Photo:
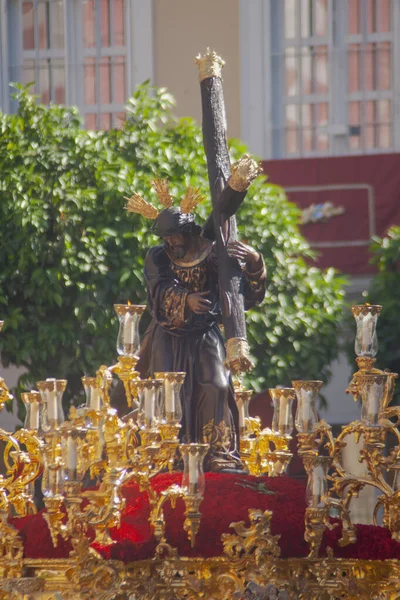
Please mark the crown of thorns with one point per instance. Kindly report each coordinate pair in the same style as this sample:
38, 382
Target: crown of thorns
139, 205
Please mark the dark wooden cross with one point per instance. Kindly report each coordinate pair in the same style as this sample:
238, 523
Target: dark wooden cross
228, 187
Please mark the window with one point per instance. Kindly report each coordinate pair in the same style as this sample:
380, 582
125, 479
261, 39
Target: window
370, 90
330, 72
77, 52
105, 60
305, 55
43, 51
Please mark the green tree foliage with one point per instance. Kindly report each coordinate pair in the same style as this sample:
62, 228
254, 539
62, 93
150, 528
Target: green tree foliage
385, 290
68, 251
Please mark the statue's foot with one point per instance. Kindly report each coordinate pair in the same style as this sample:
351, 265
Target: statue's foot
226, 465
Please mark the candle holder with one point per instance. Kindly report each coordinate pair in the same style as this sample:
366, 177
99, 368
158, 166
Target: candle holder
148, 390
51, 392
372, 389
193, 482
128, 340
192, 491
282, 420
317, 511
193, 474
242, 398
125, 369
75, 463
94, 399
317, 484
249, 428
92, 451
168, 416
366, 341
262, 451
306, 415
170, 405
33, 406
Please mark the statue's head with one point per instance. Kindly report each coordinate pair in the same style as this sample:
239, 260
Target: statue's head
177, 229
175, 225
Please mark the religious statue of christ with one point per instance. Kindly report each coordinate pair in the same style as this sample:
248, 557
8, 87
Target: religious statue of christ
199, 277
184, 334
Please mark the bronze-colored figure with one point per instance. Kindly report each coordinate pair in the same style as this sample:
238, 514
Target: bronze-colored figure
200, 278
184, 335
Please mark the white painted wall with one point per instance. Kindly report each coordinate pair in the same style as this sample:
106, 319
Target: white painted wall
9, 420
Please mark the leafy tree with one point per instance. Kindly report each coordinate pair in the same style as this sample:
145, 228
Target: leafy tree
68, 251
385, 290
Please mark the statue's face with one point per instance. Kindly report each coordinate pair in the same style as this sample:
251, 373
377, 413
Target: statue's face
177, 244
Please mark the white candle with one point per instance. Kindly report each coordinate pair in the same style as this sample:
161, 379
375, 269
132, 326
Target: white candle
95, 399
52, 401
192, 470
149, 404
373, 403
242, 415
72, 454
34, 416
169, 397
129, 329
284, 415
306, 412
318, 484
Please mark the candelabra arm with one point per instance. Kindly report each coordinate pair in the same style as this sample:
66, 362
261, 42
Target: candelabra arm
356, 428
390, 413
157, 519
192, 513
12, 457
343, 505
341, 484
125, 370
316, 521
192, 516
20, 495
104, 381
22, 469
54, 516
105, 507
11, 545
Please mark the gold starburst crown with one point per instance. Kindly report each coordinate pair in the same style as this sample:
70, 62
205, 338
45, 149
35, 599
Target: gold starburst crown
161, 187
139, 205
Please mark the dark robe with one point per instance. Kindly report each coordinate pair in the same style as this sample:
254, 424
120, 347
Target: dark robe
179, 340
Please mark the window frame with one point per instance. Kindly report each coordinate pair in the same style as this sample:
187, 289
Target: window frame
261, 98
138, 51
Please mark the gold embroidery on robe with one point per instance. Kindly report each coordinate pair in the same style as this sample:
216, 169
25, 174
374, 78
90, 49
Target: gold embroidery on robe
194, 278
175, 304
218, 436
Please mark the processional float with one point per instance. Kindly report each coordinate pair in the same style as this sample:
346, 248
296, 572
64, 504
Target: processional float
85, 461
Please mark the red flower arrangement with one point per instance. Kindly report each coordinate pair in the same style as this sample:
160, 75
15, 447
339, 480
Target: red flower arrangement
227, 499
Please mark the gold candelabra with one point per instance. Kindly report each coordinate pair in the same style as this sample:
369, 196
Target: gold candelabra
330, 488
94, 446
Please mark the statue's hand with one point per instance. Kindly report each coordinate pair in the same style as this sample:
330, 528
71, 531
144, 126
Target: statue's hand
245, 254
197, 302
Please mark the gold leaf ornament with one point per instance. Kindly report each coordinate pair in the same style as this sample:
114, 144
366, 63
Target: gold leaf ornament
161, 187
139, 205
192, 198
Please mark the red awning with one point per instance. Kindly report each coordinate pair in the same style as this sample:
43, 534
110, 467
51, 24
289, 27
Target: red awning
366, 187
